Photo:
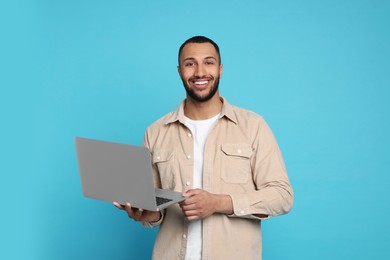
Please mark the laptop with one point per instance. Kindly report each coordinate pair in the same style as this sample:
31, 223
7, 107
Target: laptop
122, 173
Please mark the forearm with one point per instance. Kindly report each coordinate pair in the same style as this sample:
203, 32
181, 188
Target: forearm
223, 204
263, 203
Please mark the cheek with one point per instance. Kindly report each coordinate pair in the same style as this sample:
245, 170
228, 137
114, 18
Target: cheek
217, 74
186, 74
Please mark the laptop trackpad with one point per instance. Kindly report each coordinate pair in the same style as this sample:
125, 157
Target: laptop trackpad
174, 196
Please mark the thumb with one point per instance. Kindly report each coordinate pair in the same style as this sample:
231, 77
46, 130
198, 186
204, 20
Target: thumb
191, 192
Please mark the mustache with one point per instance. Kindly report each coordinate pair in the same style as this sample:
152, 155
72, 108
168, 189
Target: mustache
201, 78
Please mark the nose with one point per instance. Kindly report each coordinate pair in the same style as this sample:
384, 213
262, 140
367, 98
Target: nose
200, 71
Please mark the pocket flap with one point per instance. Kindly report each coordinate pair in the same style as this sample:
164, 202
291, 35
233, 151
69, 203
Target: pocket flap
241, 150
161, 155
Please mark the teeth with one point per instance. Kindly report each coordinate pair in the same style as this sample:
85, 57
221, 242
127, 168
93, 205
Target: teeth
201, 82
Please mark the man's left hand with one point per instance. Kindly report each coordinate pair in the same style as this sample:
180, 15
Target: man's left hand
201, 204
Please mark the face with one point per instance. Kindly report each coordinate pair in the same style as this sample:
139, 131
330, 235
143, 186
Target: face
200, 70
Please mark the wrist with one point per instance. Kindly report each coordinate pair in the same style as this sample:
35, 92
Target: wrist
224, 204
156, 217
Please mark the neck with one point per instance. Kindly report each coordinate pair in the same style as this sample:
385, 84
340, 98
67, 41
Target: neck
202, 110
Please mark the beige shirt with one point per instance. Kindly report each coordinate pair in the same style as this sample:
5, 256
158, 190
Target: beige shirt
241, 159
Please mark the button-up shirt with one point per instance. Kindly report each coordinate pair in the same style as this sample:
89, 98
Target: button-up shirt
241, 159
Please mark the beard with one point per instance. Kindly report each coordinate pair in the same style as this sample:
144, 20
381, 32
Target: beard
201, 98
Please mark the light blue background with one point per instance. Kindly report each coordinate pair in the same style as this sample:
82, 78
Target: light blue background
318, 71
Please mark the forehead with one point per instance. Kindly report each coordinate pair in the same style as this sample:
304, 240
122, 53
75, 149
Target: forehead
198, 51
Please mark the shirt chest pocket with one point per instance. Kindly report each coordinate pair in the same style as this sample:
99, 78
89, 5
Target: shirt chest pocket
236, 166
163, 161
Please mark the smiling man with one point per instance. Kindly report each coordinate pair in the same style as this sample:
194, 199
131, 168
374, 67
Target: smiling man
223, 158
200, 71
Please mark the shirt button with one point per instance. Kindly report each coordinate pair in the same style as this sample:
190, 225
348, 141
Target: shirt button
188, 156
158, 157
189, 134
239, 151
188, 183
184, 236
242, 212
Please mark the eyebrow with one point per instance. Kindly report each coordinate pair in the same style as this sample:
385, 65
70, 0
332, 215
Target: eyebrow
206, 58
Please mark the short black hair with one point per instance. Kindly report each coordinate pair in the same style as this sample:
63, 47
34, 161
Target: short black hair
199, 39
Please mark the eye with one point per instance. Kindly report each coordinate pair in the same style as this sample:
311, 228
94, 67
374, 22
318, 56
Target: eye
189, 64
209, 62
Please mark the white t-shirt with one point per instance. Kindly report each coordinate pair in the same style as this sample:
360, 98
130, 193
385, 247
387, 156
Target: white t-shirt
200, 130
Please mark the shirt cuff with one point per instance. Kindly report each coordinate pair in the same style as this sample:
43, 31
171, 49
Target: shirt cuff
242, 207
155, 223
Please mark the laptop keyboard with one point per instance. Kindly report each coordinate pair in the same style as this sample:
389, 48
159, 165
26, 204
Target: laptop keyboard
160, 200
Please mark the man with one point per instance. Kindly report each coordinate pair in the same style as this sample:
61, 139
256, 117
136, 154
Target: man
223, 158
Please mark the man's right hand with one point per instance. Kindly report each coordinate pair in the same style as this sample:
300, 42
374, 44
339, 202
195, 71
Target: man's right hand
139, 214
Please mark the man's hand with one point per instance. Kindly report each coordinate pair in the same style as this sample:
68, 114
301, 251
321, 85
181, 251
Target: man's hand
201, 204
139, 214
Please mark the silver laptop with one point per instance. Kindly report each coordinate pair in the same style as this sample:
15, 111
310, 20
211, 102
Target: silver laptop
122, 173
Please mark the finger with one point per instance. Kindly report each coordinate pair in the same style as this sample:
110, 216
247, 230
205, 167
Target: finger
119, 206
191, 192
130, 211
192, 218
188, 207
128, 206
190, 213
138, 214
191, 200
134, 213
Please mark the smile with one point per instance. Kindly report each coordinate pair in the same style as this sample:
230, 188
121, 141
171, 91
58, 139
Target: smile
200, 85
201, 82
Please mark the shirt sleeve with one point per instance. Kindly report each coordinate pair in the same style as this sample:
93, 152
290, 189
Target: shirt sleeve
273, 194
157, 184
156, 223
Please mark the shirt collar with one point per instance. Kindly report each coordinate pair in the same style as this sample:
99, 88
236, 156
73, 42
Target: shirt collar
178, 114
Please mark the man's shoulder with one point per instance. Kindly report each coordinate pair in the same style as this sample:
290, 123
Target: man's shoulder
161, 122
246, 114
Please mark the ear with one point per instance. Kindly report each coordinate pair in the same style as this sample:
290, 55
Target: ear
220, 70
179, 70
